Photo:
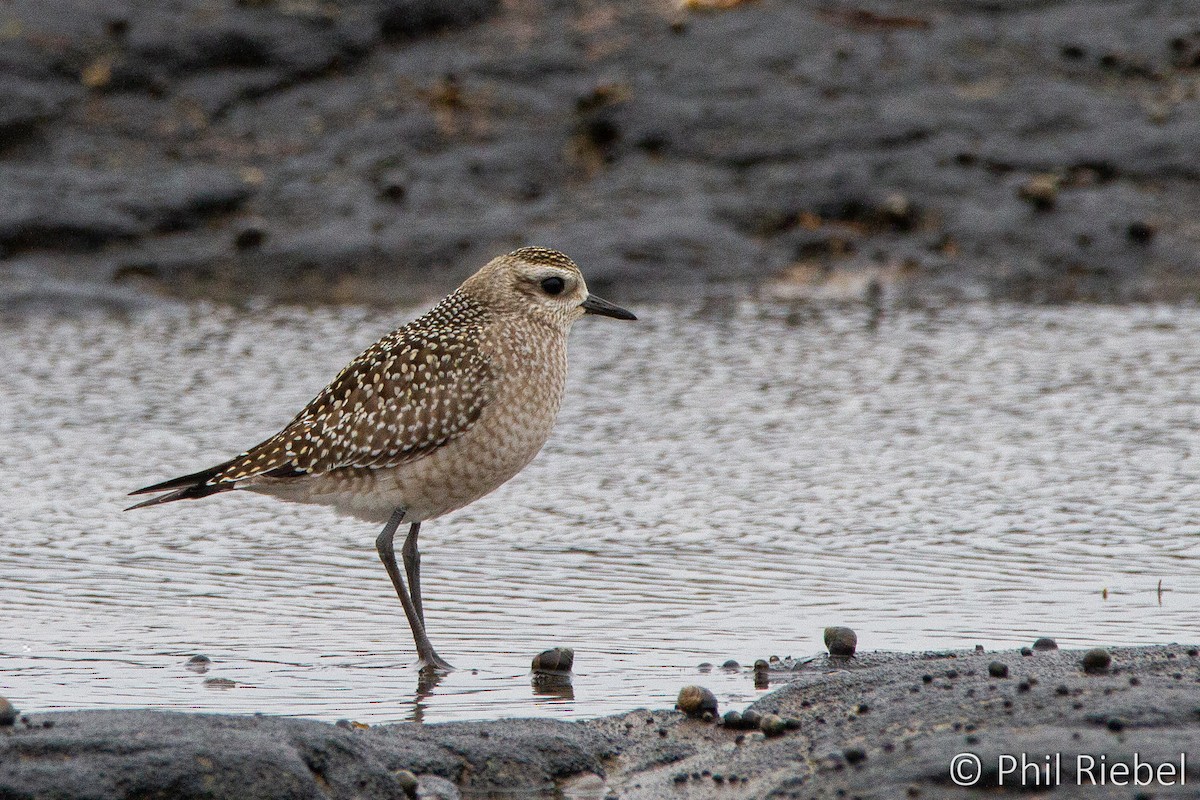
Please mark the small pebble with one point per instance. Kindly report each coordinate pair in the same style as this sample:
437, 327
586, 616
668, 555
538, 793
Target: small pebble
732, 719
731, 666
998, 669
408, 782
695, 701
772, 725
1040, 191
8, 714
1062, 690
1193, 652
978, 648
751, 719
1026, 651
198, 664
897, 206
1045, 643
1116, 725
1140, 232
705, 667
792, 724
761, 665
250, 238
854, 755
841, 641
556, 659
1096, 660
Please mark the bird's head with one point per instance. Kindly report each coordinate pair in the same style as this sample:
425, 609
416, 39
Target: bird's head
542, 283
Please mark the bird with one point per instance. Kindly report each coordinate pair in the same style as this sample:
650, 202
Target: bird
431, 417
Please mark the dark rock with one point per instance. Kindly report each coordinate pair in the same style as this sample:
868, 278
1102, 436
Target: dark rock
840, 641
407, 782
695, 701
1040, 191
8, 714
250, 238
998, 669
1026, 651
402, 142
1045, 643
198, 664
556, 659
1096, 660
126, 754
1140, 232
854, 755
772, 725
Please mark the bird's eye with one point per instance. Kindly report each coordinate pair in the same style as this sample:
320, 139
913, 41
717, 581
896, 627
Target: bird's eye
553, 285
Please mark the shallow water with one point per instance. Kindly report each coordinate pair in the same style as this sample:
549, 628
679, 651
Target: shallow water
716, 488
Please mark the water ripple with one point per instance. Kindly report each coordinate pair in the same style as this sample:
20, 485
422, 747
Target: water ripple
716, 488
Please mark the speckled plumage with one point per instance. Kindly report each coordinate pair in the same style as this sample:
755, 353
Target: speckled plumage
429, 418
432, 416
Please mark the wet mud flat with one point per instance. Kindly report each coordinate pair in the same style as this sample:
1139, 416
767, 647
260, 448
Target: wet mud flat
875, 725
375, 149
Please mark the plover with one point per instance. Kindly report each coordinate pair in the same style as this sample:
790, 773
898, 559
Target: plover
433, 416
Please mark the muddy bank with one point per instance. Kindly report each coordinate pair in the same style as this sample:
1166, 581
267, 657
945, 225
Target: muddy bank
877, 725
381, 149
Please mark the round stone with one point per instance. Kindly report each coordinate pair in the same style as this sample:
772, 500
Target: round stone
840, 641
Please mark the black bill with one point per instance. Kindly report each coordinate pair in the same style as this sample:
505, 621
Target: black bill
594, 305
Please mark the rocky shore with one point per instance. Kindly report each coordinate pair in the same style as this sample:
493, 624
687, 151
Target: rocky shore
379, 150
873, 725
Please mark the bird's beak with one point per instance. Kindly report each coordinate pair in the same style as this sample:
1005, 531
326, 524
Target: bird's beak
594, 305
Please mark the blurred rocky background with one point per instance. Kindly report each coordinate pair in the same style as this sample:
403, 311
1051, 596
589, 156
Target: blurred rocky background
380, 150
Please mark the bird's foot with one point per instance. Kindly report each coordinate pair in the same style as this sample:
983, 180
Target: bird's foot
432, 662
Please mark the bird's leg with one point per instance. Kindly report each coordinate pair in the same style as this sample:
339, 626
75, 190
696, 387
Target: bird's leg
429, 659
412, 566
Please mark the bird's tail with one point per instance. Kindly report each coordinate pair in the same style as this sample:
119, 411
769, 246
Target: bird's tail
187, 487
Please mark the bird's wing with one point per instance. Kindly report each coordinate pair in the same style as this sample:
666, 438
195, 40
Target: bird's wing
407, 395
